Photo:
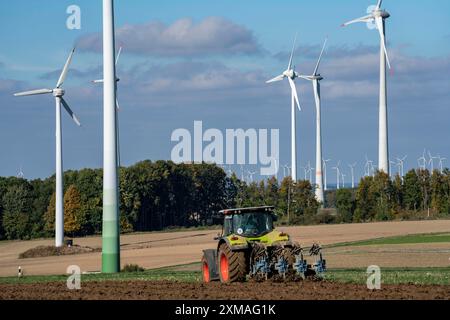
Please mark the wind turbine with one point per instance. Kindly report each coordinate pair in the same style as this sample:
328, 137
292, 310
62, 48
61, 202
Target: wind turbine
20, 174
291, 75
379, 16
325, 173
352, 170
431, 161
58, 93
117, 108
343, 180
391, 162
286, 167
422, 161
338, 173
111, 193
368, 167
441, 163
401, 161
242, 173
250, 175
305, 172
315, 78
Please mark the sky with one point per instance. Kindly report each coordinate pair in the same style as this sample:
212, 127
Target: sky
186, 61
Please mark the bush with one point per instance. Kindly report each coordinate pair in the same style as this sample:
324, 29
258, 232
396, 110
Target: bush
132, 268
326, 216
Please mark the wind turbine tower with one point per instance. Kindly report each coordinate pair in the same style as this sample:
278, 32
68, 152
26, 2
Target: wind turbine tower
325, 173
315, 78
352, 170
379, 16
111, 227
338, 174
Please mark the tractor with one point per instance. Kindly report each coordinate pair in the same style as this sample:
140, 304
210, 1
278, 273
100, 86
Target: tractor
250, 247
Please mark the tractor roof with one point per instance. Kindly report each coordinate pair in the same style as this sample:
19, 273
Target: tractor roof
247, 210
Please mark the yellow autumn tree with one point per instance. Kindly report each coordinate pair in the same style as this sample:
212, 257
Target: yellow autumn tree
49, 216
73, 222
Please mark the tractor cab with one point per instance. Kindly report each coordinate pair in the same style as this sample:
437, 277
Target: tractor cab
248, 222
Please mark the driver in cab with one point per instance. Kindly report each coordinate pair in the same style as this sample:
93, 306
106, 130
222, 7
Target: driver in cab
251, 227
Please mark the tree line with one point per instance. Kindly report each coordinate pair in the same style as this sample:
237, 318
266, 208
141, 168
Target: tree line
162, 194
419, 194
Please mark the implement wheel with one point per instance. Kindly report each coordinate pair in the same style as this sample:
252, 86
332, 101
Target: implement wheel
232, 265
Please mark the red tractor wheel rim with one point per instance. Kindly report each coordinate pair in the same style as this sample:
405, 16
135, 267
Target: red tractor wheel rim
205, 272
224, 267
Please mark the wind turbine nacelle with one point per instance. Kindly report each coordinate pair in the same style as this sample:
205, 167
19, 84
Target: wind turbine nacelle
58, 92
382, 13
317, 77
289, 74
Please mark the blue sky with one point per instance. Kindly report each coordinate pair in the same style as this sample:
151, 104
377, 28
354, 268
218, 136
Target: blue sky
220, 80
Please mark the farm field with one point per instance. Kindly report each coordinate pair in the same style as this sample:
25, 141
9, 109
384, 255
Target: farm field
414, 258
343, 248
184, 282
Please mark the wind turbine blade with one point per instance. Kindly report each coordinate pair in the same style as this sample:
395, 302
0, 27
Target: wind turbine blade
70, 112
380, 27
379, 4
63, 75
33, 92
118, 56
362, 19
97, 81
294, 92
277, 78
117, 105
292, 54
309, 78
320, 57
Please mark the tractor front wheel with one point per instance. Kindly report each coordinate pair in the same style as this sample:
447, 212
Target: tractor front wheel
232, 265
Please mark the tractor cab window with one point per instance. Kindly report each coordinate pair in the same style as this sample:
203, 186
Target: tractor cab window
252, 224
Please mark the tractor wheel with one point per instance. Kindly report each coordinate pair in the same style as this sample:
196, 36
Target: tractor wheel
205, 270
232, 265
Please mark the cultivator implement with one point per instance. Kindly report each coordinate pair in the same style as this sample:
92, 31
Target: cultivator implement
285, 263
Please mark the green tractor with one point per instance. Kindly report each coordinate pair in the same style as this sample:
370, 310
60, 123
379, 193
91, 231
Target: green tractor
249, 246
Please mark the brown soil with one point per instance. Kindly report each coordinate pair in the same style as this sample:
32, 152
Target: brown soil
50, 251
166, 290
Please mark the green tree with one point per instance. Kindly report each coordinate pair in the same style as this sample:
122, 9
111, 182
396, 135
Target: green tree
304, 203
412, 195
344, 205
365, 202
17, 204
382, 192
398, 190
424, 179
49, 216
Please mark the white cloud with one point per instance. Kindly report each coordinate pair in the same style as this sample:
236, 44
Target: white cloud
184, 37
